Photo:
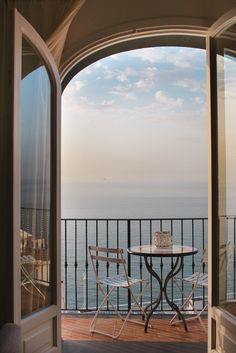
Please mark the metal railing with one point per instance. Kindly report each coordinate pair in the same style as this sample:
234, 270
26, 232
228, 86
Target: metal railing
80, 292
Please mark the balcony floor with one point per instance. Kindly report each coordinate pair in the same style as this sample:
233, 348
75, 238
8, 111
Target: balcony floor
160, 338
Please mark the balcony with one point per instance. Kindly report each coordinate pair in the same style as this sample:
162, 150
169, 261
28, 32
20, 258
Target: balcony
79, 292
81, 296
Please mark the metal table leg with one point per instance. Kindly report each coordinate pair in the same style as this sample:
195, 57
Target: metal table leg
178, 264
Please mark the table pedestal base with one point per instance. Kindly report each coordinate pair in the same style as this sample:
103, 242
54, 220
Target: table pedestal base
177, 266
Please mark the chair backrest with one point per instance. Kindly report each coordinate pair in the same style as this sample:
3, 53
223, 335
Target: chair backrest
226, 254
107, 256
203, 260
200, 277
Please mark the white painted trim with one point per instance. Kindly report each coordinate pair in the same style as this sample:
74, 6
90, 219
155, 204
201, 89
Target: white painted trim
138, 32
208, 78
222, 23
23, 28
27, 30
16, 173
218, 313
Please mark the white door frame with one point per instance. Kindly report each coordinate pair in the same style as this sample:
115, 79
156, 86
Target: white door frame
42, 328
220, 323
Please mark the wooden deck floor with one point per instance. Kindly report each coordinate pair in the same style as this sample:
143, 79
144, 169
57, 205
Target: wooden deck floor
160, 338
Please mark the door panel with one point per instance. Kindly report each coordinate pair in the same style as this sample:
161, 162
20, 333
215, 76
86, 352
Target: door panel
222, 80
35, 193
37, 190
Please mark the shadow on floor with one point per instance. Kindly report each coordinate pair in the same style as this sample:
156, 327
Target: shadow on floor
132, 347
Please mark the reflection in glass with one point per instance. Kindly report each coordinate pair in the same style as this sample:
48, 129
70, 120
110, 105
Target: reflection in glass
35, 182
226, 82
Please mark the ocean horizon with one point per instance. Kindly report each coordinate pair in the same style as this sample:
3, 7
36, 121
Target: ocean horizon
136, 207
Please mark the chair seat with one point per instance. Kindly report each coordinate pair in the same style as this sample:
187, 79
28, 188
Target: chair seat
119, 281
202, 279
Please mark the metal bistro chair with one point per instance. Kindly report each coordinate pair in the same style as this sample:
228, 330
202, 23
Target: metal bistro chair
28, 280
108, 284
198, 279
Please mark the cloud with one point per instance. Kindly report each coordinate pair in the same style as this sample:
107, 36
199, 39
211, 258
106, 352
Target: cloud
122, 77
98, 64
168, 101
199, 100
79, 84
191, 84
125, 74
83, 98
181, 58
107, 103
73, 88
124, 91
107, 73
145, 85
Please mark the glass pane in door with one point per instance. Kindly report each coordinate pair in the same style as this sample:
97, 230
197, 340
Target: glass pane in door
35, 233
226, 83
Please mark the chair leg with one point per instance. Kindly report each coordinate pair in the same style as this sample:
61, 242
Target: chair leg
197, 314
107, 299
135, 303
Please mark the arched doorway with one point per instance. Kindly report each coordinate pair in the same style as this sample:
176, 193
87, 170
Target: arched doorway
132, 125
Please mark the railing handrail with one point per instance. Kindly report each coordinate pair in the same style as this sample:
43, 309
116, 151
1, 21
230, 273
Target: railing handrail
133, 219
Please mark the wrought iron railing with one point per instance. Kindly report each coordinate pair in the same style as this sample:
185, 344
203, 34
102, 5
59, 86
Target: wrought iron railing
79, 290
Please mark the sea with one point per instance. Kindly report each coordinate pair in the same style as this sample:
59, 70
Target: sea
79, 290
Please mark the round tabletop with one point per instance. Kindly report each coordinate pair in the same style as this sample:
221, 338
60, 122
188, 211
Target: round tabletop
152, 250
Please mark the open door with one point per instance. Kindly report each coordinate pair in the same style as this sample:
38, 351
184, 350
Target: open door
221, 49
36, 191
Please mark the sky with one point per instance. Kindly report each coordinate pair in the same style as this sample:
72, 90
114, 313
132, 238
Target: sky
135, 123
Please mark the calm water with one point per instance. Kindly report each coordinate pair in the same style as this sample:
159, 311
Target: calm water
135, 207
82, 281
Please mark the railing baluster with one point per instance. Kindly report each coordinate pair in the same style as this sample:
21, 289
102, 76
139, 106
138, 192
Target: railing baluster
140, 258
181, 237
129, 262
172, 262
193, 264
203, 247
86, 261
118, 265
107, 237
150, 238
66, 265
161, 264
234, 274
97, 269
76, 267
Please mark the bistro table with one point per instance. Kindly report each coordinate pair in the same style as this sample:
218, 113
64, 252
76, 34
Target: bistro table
177, 252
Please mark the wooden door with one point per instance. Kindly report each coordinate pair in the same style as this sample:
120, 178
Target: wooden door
36, 191
221, 66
